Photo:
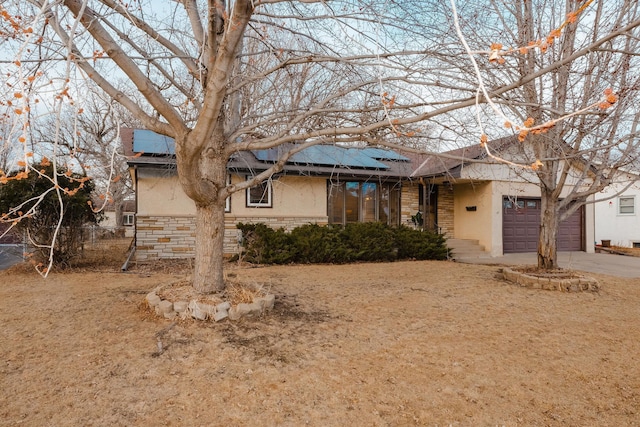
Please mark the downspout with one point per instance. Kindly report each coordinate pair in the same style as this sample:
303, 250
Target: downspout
135, 221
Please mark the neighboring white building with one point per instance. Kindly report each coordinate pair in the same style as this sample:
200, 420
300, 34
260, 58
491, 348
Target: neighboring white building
618, 215
109, 221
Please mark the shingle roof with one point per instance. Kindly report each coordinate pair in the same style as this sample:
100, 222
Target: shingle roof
450, 162
146, 148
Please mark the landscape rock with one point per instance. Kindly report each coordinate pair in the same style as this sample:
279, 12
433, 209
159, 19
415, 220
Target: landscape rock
255, 309
223, 306
220, 315
266, 302
196, 311
234, 314
165, 306
563, 284
152, 299
203, 311
243, 309
180, 306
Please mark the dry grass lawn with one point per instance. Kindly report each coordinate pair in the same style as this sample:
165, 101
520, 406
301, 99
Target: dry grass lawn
389, 344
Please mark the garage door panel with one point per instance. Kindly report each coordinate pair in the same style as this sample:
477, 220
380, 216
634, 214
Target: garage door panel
521, 226
568, 239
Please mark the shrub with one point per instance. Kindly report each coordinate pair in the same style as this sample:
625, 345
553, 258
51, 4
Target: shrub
317, 244
264, 245
312, 243
370, 241
418, 244
31, 201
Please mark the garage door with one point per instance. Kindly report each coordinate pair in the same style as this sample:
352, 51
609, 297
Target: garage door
521, 226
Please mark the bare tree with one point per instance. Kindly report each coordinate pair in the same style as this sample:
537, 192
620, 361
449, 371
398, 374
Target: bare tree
219, 77
578, 123
6, 145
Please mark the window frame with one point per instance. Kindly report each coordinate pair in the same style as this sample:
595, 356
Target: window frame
268, 191
632, 205
341, 189
126, 216
227, 202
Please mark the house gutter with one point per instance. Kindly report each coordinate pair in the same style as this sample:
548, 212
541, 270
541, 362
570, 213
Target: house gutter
125, 266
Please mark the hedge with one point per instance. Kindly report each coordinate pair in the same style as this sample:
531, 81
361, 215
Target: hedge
336, 244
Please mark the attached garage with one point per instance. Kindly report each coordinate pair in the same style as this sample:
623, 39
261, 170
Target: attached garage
521, 225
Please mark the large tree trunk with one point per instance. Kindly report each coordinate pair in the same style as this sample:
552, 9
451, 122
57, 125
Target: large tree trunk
547, 240
202, 174
208, 272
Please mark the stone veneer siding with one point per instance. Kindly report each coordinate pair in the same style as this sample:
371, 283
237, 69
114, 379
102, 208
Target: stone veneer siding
445, 210
409, 202
165, 237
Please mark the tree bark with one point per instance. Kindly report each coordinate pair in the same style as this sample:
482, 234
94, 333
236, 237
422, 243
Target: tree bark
208, 271
547, 239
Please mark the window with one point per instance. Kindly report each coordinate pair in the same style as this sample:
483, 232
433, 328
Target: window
511, 203
350, 202
626, 205
259, 196
128, 219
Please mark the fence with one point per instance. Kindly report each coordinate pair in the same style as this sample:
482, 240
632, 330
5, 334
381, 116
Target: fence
92, 241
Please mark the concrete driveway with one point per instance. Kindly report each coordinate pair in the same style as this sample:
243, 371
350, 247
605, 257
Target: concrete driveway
613, 265
10, 255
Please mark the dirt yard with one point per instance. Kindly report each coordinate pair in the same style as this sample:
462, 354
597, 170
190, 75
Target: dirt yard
407, 343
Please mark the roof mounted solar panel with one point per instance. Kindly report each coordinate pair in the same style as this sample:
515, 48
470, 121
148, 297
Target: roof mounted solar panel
321, 155
356, 157
149, 142
384, 154
270, 155
314, 155
328, 155
324, 155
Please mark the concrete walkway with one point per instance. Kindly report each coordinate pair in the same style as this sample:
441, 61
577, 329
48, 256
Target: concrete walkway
613, 265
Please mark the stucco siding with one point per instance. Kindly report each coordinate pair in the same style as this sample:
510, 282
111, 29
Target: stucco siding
515, 175
473, 210
292, 196
160, 194
485, 223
